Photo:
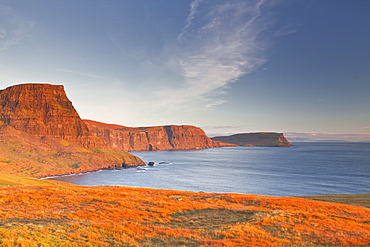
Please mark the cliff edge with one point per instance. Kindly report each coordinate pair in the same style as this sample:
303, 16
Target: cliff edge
44, 110
153, 138
42, 134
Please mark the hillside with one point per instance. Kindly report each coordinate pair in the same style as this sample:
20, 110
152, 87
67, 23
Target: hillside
121, 216
268, 139
41, 134
25, 154
153, 138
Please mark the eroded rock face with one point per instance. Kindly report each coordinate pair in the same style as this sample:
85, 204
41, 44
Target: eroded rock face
41, 134
152, 138
44, 110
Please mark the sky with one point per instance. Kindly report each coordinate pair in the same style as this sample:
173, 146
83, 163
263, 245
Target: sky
226, 66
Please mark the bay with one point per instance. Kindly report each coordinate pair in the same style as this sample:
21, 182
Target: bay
302, 169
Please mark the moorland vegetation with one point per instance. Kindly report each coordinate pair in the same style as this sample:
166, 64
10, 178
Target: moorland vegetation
41, 134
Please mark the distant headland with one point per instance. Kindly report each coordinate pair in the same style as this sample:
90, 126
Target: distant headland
267, 139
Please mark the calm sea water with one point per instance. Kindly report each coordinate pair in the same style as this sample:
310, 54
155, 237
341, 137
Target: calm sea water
303, 169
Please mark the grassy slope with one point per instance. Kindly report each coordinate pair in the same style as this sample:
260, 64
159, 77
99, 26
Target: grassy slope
13, 180
28, 155
71, 215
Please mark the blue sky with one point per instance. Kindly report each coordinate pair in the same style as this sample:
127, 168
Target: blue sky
230, 66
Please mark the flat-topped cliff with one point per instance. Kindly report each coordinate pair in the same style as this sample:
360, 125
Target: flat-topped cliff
153, 138
270, 139
44, 110
41, 133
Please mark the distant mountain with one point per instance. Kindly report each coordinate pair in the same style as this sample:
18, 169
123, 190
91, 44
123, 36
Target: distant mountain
270, 139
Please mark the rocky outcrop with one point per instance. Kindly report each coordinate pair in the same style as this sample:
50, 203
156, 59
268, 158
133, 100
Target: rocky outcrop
44, 110
153, 138
41, 134
270, 139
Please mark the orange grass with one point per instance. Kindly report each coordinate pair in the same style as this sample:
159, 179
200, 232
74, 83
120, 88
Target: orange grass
22, 154
120, 216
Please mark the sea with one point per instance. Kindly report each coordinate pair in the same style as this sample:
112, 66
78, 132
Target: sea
305, 168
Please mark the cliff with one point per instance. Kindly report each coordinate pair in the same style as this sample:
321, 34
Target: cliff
153, 138
270, 139
41, 133
44, 110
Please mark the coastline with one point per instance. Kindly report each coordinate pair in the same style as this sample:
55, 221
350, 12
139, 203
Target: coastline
273, 175
87, 172
362, 200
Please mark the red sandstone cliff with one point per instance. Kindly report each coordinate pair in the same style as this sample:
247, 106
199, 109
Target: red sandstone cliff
153, 138
41, 133
44, 110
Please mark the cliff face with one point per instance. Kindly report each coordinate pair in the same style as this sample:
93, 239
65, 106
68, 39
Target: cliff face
44, 110
153, 138
270, 139
41, 134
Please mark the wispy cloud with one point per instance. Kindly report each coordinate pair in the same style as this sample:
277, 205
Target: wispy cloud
223, 127
189, 20
286, 30
13, 29
322, 136
78, 73
219, 43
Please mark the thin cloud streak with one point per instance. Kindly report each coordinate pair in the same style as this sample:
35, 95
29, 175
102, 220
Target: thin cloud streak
223, 127
13, 29
212, 55
318, 136
286, 30
193, 11
80, 73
